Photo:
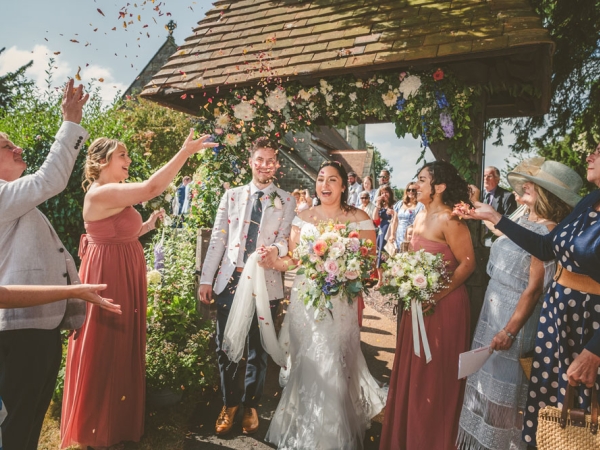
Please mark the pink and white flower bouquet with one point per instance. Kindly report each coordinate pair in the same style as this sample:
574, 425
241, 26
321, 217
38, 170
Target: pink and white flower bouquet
414, 276
335, 261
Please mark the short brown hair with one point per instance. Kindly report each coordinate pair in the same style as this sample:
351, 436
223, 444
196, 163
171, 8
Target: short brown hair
264, 142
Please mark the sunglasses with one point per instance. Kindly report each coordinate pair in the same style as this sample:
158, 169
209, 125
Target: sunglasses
364, 198
411, 190
383, 176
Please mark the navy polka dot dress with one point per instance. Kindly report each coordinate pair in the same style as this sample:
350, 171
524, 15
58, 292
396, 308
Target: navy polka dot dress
568, 320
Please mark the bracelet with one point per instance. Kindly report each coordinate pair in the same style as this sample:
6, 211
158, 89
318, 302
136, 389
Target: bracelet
510, 335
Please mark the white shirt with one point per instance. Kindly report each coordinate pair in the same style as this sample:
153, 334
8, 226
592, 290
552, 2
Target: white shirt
353, 194
265, 203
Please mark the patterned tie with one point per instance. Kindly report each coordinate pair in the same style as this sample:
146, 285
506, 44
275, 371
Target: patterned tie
255, 218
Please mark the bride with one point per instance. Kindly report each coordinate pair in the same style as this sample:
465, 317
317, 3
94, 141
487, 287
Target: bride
330, 396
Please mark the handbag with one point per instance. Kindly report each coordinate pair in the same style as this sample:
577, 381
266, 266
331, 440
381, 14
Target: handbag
526, 362
390, 248
569, 428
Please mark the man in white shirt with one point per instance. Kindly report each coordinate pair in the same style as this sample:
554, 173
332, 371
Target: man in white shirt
354, 189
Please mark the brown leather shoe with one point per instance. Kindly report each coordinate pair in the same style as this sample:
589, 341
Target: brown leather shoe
225, 420
250, 421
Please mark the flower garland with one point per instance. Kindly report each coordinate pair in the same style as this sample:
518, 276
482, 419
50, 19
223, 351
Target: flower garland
432, 105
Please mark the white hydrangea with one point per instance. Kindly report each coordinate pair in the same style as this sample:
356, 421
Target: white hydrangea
244, 111
276, 100
410, 85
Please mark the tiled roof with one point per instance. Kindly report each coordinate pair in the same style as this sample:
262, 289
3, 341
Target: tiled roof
352, 160
241, 41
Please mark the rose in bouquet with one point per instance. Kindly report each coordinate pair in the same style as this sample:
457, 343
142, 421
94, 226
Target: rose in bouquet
414, 276
335, 261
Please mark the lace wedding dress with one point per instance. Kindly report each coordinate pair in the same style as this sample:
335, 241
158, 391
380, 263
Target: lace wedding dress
329, 396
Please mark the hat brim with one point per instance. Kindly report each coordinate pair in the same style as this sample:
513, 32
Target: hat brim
516, 181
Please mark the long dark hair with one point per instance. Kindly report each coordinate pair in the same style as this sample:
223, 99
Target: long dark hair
344, 176
457, 189
391, 192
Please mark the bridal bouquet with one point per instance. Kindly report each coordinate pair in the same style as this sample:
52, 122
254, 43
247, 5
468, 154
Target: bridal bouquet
334, 262
414, 276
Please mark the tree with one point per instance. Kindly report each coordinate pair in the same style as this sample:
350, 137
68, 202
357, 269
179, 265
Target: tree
575, 107
379, 162
11, 84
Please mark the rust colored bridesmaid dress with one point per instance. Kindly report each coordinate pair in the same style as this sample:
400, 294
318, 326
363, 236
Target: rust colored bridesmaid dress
425, 400
104, 395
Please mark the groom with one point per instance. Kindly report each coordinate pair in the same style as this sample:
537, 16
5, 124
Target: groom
258, 214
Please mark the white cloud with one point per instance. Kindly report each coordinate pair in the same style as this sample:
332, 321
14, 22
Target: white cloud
13, 58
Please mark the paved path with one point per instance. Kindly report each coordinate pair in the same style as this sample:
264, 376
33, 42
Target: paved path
378, 337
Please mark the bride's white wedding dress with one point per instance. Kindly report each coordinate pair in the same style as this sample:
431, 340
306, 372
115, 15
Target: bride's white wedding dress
330, 396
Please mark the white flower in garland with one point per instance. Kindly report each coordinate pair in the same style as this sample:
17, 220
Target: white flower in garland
232, 140
389, 98
352, 96
304, 95
410, 85
270, 126
223, 121
359, 84
277, 100
325, 87
244, 111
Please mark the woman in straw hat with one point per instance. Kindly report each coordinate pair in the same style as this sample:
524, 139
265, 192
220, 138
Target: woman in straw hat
495, 395
567, 344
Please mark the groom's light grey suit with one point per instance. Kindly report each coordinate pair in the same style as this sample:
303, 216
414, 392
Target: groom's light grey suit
225, 255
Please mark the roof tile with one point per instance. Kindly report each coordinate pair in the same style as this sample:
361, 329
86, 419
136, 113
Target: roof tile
303, 38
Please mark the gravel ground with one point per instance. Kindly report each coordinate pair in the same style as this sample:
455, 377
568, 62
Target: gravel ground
382, 304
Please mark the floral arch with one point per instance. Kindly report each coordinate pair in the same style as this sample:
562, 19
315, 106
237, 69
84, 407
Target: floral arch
432, 105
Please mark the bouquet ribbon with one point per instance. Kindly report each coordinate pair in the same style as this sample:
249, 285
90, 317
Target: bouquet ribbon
251, 296
418, 326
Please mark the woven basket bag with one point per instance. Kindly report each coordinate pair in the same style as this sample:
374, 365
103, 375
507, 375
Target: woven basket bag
569, 428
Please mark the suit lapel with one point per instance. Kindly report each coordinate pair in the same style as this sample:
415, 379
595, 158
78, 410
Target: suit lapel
242, 202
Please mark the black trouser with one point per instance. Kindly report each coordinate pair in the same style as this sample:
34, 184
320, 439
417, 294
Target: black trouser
256, 363
29, 363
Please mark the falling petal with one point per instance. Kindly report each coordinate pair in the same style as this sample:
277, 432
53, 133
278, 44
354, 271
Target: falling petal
100, 11
77, 75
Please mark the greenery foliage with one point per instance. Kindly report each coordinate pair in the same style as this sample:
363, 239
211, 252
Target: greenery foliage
575, 106
12, 83
177, 350
432, 105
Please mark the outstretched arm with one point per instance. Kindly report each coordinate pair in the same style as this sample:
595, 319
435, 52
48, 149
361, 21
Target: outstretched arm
24, 296
121, 195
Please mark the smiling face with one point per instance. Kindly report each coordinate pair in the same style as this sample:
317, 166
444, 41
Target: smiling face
367, 185
264, 165
411, 191
329, 186
12, 165
117, 168
423, 185
529, 196
593, 169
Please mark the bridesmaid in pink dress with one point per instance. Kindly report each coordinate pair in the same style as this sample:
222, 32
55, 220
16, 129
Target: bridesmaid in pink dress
424, 400
104, 396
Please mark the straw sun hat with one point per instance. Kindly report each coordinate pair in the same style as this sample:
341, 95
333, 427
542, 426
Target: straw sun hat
553, 176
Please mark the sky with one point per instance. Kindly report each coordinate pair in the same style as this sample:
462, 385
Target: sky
92, 38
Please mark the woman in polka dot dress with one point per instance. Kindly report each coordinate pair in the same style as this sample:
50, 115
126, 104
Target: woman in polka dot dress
567, 346
495, 396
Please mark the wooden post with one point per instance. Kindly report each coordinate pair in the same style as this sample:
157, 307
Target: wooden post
202, 243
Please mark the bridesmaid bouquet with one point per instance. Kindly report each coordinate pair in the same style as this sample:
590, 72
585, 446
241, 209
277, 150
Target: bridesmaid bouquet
414, 276
334, 261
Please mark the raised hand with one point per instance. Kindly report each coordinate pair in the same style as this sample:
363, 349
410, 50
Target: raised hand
481, 211
191, 145
72, 102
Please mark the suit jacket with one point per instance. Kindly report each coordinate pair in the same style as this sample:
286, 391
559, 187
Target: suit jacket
227, 241
503, 201
32, 252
